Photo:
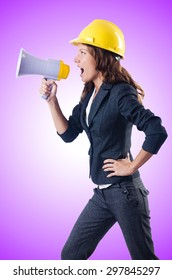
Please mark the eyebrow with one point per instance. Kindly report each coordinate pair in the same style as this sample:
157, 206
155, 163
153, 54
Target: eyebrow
83, 50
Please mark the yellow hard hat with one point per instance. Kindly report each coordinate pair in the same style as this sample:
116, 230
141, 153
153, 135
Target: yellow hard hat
103, 34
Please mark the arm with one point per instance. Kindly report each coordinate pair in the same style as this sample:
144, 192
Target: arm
68, 130
124, 167
134, 112
145, 121
48, 90
60, 122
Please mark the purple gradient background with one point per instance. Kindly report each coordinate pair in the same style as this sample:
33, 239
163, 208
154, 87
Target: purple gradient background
44, 182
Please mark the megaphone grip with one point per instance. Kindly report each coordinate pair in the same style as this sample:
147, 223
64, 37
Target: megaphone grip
44, 96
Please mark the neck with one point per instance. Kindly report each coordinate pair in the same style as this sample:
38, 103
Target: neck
98, 82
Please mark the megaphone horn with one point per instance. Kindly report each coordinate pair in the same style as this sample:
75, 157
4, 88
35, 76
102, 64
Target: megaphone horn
50, 69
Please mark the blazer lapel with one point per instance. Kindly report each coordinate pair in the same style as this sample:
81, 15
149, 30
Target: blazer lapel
104, 89
83, 112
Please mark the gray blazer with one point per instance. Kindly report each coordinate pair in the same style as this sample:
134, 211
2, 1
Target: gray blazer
113, 112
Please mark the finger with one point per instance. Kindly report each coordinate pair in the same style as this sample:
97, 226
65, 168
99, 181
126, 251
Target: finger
54, 87
45, 89
109, 169
108, 161
47, 82
107, 165
111, 175
44, 93
47, 86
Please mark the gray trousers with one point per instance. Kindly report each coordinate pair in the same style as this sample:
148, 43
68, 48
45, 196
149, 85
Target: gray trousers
125, 203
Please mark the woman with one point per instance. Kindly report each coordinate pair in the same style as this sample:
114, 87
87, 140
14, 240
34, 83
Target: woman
110, 104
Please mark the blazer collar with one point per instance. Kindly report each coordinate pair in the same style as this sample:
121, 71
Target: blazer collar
103, 91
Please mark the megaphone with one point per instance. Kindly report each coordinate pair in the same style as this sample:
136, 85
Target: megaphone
50, 69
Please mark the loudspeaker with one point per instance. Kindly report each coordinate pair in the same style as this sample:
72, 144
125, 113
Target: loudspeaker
50, 69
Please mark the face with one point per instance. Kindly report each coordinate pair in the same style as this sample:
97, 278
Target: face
87, 65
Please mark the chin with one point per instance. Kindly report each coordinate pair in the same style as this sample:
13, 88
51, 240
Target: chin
86, 80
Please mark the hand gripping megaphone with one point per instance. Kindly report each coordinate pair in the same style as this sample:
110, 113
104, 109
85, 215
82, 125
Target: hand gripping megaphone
51, 69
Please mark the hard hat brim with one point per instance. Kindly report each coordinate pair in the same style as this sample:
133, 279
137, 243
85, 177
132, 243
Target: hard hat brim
77, 41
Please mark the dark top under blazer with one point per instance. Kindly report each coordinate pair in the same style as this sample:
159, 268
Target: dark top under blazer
113, 112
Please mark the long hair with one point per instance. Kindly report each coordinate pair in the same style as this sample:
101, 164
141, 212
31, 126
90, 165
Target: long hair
108, 64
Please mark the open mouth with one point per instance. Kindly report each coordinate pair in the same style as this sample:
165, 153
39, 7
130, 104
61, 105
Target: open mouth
82, 71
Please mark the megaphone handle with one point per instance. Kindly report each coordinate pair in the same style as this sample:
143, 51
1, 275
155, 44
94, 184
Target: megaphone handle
45, 96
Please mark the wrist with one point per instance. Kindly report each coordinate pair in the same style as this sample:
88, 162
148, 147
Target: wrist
52, 101
133, 168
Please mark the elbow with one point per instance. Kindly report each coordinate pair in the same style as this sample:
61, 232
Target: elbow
154, 142
68, 140
68, 136
165, 135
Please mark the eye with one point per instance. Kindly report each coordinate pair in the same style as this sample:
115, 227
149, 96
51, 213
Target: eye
82, 52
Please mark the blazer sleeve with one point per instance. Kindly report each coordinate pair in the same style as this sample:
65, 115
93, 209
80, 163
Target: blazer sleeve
131, 109
74, 125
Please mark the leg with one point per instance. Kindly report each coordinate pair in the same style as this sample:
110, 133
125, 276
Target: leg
134, 220
92, 224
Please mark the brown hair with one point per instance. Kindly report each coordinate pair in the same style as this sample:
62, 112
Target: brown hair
108, 64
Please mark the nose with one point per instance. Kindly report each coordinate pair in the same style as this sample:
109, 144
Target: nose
76, 59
